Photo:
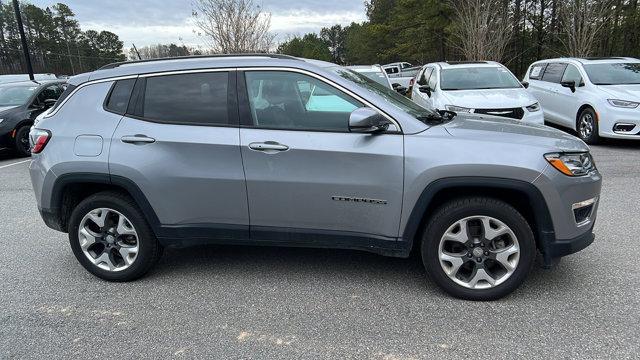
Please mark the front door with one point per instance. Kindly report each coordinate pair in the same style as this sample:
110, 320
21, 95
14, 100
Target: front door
306, 173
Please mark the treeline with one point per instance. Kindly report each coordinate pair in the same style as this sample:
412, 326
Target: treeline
162, 51
56, 42
514, 32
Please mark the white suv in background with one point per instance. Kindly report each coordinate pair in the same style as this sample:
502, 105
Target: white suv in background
482, 87
597, 97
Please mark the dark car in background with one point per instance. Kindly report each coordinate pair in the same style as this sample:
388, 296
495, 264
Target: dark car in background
20, 103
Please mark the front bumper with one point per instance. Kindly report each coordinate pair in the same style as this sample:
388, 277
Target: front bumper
564, 247
611, 116
536, 117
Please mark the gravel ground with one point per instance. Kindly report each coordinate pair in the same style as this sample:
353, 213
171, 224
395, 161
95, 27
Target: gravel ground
255, 302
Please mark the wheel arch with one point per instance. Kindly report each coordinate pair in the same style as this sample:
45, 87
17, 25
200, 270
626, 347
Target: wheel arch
522, 195
580, 110
68, 190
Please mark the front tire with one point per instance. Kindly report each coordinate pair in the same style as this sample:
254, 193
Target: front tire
21, 144
111, 238
587, 126
478, 248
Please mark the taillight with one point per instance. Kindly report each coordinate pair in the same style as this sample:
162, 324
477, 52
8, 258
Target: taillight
39, 139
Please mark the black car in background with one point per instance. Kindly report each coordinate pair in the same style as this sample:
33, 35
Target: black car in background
20, 103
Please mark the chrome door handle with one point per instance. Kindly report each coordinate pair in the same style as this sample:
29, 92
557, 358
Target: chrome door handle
137, 139
268, 146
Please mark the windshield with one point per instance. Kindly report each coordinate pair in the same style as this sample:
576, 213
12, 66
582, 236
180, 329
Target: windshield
475, 78
391, 96
614, 74
15, 95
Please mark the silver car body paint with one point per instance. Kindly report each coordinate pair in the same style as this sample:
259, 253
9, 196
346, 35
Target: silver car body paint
208, 175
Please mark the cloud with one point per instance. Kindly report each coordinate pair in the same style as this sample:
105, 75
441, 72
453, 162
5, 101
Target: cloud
146, 22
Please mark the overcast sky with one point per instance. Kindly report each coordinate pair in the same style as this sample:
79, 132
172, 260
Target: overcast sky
145, 22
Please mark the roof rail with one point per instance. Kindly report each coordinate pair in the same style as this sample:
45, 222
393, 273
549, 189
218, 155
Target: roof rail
275, 56
604, 58
465, 62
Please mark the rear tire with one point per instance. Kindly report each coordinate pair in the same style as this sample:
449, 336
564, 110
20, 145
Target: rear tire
21, 141
587, 126
478, 248
124, 230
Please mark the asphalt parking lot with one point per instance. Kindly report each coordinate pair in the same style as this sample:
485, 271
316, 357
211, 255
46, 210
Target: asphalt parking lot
254, 302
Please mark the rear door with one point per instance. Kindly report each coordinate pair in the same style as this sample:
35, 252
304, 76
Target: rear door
179, 143
308, 178
553, 104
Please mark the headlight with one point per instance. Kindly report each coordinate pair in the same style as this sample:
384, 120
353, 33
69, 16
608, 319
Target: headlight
572, 164
623, 103
534, 107
457, 108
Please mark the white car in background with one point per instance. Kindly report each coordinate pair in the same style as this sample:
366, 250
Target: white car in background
482, 87
597, 97
373, 72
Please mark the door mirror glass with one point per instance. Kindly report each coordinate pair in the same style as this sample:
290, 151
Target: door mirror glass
367, 120
525, 84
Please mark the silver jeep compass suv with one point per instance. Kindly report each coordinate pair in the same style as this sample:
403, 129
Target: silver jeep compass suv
274, 150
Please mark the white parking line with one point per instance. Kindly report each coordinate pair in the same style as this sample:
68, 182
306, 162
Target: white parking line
15, 163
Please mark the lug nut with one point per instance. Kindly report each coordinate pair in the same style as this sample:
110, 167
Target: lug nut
482, 244
469, 255
486, 253
479, 259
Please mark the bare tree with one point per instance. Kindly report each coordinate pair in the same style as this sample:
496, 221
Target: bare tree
482, 31
581, 22
234, 26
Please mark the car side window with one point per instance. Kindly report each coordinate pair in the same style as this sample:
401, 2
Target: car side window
553, 73
433, 80
196, 99
536, 71
119, 96
572, 74
425, 76
294, 101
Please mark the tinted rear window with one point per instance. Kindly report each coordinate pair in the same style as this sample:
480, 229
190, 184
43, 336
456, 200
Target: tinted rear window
199, 99
119, 97
553, 73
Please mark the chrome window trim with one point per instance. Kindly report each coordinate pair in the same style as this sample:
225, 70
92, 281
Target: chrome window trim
253, 68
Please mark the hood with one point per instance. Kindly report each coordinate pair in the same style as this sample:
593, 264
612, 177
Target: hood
496, 130
622, 92
5, 108
489, 99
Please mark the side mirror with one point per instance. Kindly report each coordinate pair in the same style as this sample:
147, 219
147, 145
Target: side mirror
367, 120
569, 84
395, 85
525, 84
425, 89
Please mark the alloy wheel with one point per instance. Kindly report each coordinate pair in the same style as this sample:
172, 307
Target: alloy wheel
108, 239
586, 126
479, 252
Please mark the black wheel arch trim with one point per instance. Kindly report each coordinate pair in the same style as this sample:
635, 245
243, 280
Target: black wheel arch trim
544, 224
104, 179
